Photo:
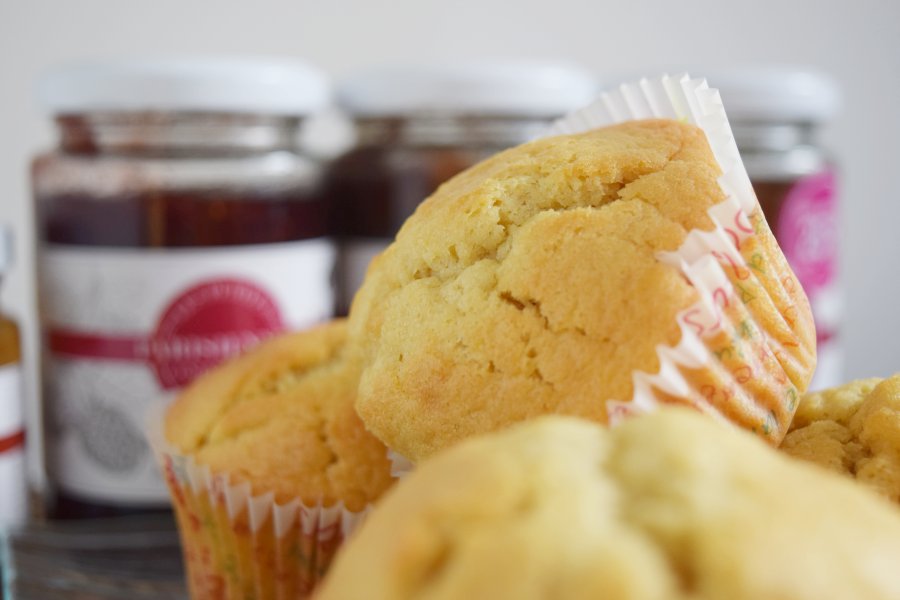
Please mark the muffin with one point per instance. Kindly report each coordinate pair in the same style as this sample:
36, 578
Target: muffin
568, 275
853, 429
668, 505
269, 467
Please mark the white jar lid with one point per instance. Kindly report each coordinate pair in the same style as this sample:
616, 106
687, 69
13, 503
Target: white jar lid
776, 94
6, 248
246, 85
489, 88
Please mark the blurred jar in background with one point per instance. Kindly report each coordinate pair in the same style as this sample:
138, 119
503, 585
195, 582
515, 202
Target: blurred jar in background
13, 497
177, 224
417, 127
776, 115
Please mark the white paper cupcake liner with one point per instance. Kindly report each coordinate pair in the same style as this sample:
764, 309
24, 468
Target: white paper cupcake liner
239, 543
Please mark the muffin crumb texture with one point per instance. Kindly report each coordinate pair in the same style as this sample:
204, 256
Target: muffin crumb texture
854, 430
281, 417
665, 506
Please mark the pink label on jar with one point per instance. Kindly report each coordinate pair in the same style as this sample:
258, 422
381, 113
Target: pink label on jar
207, 324
808, 230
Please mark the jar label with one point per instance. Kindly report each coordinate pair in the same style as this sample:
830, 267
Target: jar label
13, 497
127, 328
808, 231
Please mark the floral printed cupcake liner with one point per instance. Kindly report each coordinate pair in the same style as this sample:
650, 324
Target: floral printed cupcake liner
242, 543
739, 357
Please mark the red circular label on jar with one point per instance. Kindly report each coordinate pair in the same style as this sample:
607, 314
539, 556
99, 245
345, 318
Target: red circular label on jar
208, 323
808, 230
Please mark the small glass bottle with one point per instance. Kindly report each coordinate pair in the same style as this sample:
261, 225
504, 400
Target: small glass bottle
178, 223
776, 116
13, 496
418, 127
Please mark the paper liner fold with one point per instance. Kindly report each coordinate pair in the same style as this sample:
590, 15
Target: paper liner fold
241, 544
740, 357
400, 465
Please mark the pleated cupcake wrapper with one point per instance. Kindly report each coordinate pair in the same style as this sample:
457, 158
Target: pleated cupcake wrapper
241, 544
400, 465
738, 357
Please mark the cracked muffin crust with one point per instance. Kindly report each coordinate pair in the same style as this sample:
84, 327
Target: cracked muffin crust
666, 506
281, 417
529, 284
853, 429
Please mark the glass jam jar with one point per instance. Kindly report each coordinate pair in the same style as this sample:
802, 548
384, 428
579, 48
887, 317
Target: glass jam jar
178, 223
776, 116
416, 128
13, 497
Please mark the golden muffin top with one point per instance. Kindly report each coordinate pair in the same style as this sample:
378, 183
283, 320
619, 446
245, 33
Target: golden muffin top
530, 284
281, 417
853, 429
666, 506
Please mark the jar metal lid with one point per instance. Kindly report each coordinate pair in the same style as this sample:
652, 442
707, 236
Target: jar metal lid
776, 94
485, 88
238, 85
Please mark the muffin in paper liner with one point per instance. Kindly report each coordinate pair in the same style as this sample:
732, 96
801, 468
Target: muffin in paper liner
239, 543
268, 466
747, 346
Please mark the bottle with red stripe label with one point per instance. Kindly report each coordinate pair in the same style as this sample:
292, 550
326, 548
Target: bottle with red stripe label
13, 497
179, 223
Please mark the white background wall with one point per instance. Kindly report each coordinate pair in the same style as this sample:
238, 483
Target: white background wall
857, 42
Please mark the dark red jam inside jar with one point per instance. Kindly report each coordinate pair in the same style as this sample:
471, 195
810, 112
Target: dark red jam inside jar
168, 241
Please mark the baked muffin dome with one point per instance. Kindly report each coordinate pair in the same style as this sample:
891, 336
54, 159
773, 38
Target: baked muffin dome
853, 429
665, 506
532, 284
281, 417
